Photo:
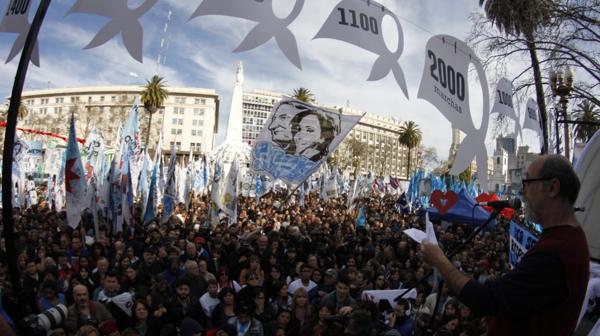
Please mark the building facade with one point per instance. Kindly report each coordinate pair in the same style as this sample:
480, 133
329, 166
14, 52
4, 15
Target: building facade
188, 120
508, 165
384, 156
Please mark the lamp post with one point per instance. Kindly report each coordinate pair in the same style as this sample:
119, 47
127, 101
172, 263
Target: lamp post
562, 86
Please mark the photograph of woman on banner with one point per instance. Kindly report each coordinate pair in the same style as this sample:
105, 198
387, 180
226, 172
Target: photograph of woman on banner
312, 132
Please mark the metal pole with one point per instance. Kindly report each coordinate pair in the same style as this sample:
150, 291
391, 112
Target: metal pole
9, 143
566, 137
556, 133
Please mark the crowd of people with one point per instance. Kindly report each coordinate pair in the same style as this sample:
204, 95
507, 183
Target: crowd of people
280, 269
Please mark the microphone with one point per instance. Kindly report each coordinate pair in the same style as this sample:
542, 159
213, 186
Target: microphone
513, 203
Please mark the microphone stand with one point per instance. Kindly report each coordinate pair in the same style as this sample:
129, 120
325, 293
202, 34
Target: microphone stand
459, 248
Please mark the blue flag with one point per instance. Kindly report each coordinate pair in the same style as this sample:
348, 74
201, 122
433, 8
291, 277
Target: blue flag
361, 219
150, 211
170, 189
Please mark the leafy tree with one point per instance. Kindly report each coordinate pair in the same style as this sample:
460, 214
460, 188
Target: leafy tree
303, 94
410, 136
153, 97
516, 18
429, 158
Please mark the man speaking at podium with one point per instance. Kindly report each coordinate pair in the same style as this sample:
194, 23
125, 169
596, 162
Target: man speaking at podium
544, 293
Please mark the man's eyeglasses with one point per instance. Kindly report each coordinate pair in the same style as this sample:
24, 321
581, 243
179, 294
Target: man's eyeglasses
525, 181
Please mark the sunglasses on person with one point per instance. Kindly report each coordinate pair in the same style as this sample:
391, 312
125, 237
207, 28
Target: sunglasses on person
525, 181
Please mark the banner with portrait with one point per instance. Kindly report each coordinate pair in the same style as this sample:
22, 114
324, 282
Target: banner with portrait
296, 138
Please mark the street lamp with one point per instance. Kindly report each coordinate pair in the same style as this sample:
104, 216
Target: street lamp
562, 86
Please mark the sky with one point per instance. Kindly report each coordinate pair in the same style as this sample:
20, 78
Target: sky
200, 54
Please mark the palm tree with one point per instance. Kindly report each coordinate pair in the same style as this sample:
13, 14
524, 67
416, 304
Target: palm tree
516, 17
587, 115
410, 136
153, 97
303, 94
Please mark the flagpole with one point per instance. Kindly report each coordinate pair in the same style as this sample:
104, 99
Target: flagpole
9, 142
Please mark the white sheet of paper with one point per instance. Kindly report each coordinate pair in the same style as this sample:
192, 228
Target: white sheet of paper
416, 235
429, 232
388, 294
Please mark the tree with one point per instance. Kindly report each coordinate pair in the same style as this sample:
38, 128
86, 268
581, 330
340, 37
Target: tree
410, 136
153, 97
429, 157
517, 17
587, 115
23, 112
303, 94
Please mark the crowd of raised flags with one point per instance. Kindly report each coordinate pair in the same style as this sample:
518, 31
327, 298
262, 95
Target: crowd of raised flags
92, 179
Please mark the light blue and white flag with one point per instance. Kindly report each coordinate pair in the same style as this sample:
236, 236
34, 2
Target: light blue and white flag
74, 178
142, 186
151, 203
228, 199
170, 190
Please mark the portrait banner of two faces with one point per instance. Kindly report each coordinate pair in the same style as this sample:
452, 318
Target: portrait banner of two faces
296, 138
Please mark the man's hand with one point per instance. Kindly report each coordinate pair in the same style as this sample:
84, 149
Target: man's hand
345, 310
432, 253
434, 256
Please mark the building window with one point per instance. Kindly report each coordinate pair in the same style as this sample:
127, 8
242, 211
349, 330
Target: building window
74, 99
179, 100
198, 112
179, 110
101, 98
44, 101
113, 99
58, 110
178, 145
59, 100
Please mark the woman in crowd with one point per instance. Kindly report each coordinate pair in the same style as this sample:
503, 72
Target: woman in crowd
225, 309
144, 322
223, 280
281, 298
301, 308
